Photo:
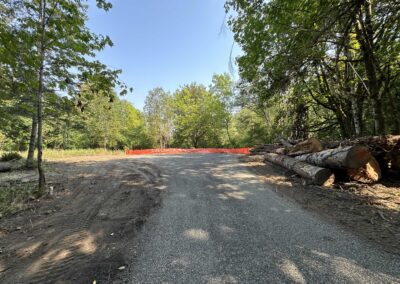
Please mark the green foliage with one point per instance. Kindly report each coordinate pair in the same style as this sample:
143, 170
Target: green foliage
198, 117
10, 156
159, 117
110, 125
222, 88
340, 58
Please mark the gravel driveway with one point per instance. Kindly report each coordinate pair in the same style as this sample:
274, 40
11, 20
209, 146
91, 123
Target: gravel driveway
219, 223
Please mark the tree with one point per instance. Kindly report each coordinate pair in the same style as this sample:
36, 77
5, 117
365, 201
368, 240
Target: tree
223, 88
158, 115
61, 47
340, 56
199, 117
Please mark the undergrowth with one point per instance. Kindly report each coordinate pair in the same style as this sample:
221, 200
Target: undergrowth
10, 156
14, 197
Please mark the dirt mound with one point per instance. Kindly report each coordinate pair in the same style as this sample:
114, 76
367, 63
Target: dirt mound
81, 233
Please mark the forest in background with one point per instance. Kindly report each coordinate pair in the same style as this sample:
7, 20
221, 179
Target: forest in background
327, 69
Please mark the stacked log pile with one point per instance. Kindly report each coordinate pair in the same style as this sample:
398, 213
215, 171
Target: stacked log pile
361, 159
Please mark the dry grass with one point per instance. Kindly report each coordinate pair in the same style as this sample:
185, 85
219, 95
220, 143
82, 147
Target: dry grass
56, 154
52, 154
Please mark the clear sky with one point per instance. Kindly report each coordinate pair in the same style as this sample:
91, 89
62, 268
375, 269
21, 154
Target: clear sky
164, 43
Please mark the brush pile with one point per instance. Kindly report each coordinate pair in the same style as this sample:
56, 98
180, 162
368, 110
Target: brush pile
365, 159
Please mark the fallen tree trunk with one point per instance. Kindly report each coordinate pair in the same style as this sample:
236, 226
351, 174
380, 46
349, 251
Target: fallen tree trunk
317, 175
311, 145
377, 144
369, 173
351, 157
286, 148
270, 148
285, 143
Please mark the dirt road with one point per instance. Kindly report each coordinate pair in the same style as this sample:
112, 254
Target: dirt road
203, 218
220, 223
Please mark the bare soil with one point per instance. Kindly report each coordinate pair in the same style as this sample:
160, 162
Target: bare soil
371, 212
81, 232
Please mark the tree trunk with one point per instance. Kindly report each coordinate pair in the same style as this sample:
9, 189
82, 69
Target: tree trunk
369, 173
317, 175
227, 122
42, 50
352, 157
344, 124
394, 109
285, 143
377, 112
311, 145
355, 108
350, 88
300, 125
32, 141
365, 36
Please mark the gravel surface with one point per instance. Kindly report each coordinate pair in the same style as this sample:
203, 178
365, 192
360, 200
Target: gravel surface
219, 223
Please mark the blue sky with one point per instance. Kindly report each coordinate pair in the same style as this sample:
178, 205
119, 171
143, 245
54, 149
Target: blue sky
164, 43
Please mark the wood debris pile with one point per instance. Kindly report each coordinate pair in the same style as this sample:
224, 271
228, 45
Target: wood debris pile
365, 159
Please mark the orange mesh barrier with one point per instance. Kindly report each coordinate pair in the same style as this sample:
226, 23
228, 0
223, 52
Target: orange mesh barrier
189, 151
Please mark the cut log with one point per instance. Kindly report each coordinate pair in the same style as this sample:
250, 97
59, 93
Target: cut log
266, 148
280, 151
285, 143
352, 157
311, 145
318, 176
376, 144
369, 173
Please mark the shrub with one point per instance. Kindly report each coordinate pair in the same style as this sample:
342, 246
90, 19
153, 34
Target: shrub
10, 156
14, 198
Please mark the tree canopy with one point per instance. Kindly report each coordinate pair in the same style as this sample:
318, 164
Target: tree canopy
339, 58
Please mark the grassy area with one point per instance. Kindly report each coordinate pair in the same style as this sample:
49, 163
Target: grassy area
51, 154
54, 154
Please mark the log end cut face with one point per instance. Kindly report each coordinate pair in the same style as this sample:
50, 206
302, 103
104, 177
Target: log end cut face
325, 177
358, 156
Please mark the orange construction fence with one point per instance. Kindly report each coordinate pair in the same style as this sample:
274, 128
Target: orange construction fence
189, 151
